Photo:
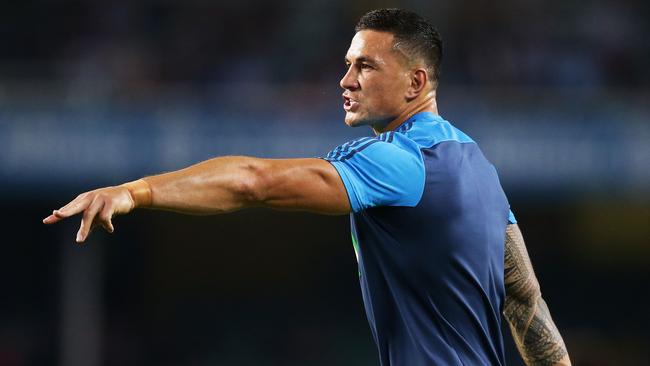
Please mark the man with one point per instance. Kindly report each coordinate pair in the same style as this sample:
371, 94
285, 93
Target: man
429, 218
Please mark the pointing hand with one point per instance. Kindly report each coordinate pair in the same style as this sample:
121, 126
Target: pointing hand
98, 207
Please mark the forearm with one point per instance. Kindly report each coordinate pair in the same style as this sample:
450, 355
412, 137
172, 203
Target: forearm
217, 185
537, 338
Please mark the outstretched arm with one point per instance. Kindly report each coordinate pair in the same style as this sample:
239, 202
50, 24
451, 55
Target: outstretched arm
537, 338
214, 186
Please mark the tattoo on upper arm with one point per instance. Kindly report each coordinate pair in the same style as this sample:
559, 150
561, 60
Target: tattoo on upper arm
533, 329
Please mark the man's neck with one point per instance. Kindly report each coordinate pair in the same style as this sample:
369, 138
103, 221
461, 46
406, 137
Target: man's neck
427, 104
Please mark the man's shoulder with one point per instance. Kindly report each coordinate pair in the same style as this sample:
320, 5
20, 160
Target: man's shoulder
430, 130
422, 131
385, 144
379, 171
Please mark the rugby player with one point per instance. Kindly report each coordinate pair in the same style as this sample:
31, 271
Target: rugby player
441, 258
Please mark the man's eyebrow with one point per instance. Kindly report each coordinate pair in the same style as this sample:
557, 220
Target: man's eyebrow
361, 59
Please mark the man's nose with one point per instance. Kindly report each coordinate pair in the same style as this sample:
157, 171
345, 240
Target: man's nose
349, 80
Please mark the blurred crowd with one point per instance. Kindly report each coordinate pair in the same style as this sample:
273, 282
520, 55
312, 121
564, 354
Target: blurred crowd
136, 48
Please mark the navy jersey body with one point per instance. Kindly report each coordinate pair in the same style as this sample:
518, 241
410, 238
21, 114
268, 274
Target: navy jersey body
428, 228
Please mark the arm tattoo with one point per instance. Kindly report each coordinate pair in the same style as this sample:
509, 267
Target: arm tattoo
537, 338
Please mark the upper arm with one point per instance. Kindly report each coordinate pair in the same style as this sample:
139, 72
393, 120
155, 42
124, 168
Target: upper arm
535, 334
355, 176
300, 184
519, 277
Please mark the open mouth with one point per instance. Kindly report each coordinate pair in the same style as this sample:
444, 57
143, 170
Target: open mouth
349, 104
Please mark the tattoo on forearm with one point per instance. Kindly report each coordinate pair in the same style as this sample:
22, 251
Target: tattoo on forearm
533, 329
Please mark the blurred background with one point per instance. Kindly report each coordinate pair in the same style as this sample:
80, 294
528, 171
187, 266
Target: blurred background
96, 93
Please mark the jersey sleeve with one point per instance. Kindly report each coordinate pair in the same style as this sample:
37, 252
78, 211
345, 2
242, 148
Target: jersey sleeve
511, 218
378, 173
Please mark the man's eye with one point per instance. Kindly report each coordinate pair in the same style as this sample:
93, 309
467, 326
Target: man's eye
366, 66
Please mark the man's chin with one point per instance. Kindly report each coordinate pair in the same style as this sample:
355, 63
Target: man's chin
354, 121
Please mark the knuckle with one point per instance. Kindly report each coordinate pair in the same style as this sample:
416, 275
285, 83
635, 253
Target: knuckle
108, 207
94, 201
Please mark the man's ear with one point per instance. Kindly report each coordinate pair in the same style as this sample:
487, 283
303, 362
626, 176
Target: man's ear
419, 82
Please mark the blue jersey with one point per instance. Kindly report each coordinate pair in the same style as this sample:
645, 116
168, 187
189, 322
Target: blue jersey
428, 228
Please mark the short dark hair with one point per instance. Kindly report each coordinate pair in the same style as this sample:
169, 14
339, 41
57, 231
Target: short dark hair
414, 34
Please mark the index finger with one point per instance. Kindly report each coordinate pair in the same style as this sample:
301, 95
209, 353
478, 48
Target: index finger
74, 207
52, 218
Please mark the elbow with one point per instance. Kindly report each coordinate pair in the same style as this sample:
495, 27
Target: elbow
250, 185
